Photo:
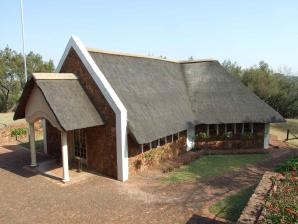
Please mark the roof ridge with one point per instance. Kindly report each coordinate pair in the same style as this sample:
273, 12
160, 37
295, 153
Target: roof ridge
96, 50
54, 76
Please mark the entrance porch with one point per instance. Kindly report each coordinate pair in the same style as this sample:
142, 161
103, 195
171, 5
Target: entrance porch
60, 101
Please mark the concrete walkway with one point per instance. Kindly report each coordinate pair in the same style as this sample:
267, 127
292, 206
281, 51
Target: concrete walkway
28, 197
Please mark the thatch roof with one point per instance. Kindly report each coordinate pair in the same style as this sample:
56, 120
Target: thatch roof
163, 97
65, 97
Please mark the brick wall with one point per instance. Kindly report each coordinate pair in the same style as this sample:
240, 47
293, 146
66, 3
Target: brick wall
101, 140
53, 141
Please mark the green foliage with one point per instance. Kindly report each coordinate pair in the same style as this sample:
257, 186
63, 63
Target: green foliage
228, 135
247, 136
12, 78
230, 208
280, 91
213, 165
282, 205
16, 132
202, 136
289, 165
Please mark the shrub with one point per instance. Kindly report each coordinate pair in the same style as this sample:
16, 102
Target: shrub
228, 135
247, 136
288, 165
15, 132
202, 136
282, 205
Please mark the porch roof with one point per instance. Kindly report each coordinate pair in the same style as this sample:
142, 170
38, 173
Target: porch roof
65, 97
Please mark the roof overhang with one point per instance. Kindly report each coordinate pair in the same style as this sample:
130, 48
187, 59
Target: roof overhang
64, 98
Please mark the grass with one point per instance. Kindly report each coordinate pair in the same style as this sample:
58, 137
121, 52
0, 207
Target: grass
38, 143
280, 130
212, 165
230, 208
7, 119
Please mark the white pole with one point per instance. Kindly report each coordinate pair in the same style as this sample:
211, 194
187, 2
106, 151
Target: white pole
44, 129
23, 40
32, 145
64, 156
142, 148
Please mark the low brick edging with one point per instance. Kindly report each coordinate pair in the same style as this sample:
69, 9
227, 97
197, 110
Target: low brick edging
253, 210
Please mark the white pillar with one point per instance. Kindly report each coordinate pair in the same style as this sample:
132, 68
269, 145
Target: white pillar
252, 128
45, 147
65, 156
150, 145
266, 136
225, 128
158, 142
32, 144
190, 140
142, 148
217, 129
166, 140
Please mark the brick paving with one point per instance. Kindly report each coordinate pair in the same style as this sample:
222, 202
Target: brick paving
27, 197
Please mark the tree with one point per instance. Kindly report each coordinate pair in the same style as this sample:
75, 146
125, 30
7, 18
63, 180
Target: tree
279, 90
12, 78
233, 68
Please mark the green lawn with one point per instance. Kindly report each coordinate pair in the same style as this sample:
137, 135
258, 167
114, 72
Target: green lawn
230, 208
212, 165
38, 142
280, 130
38, 145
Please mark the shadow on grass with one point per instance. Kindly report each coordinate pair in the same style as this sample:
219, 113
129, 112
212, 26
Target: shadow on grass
212, 165
38, 145
196, 219
231, 207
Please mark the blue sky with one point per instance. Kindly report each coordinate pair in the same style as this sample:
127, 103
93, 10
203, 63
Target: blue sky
243, 31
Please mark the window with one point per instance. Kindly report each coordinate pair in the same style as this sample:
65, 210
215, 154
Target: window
212, 130
247, 127
80, 143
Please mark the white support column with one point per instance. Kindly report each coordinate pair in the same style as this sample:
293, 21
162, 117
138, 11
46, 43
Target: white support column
217, 129
225, 128
178, 135
45, 146
242, 131
65, 156
190, 140
32, 144
235, 129
158, 142
166, 140
252, 127
150, 145
266, 136
172, 138
208, 129
142, 148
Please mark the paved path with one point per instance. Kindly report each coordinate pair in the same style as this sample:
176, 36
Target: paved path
27, 197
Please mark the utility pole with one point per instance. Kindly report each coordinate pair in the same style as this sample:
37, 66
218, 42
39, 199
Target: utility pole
23, 40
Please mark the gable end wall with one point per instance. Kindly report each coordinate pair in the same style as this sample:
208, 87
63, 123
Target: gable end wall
101, 140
